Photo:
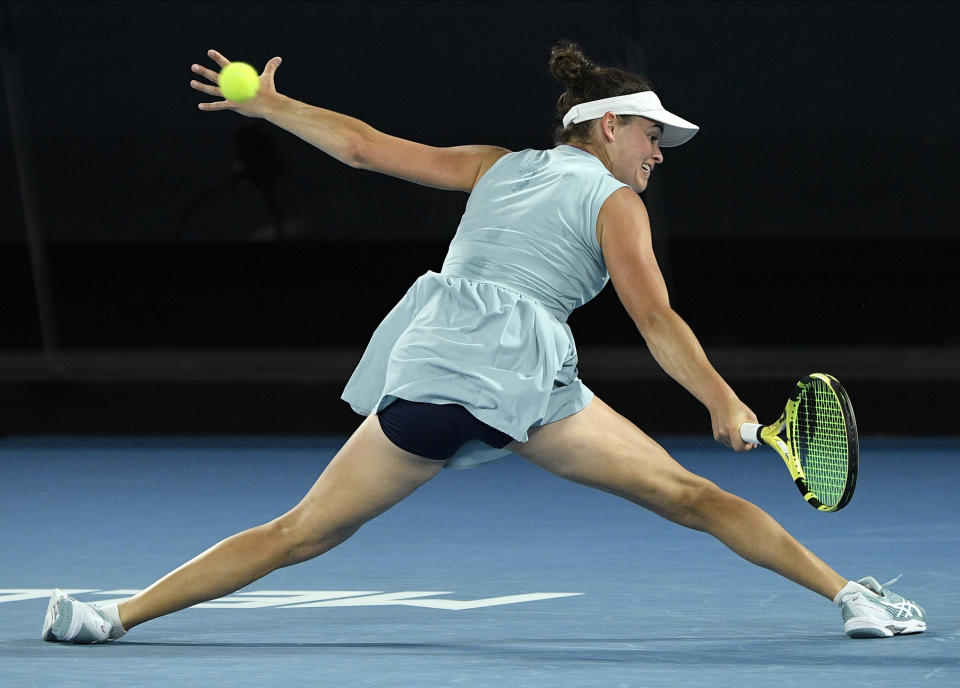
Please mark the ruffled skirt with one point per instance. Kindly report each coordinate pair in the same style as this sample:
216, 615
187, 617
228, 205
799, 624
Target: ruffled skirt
500, 354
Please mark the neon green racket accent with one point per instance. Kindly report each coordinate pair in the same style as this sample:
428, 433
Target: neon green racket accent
819, 437
822, 436
822, 449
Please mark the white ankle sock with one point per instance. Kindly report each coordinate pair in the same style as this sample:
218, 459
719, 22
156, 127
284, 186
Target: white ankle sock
847, 589
113, 614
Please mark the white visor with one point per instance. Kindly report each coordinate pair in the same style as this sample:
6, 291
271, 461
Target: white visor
676, 130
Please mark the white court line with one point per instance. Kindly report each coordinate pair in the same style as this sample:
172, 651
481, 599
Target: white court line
303, 599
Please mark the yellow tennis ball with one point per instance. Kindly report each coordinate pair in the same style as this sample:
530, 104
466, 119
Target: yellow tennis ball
239, 82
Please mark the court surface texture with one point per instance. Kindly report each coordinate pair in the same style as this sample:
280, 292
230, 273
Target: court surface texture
498, 576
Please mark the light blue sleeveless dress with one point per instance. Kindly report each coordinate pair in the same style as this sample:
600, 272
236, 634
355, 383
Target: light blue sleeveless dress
489, 331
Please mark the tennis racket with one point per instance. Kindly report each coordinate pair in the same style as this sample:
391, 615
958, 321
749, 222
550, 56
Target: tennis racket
821, 449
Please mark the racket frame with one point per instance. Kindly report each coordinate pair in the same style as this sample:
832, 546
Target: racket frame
789, 451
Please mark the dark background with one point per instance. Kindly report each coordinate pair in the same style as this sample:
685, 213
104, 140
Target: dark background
202, 272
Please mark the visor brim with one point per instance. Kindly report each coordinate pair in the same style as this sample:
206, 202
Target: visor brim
676, 130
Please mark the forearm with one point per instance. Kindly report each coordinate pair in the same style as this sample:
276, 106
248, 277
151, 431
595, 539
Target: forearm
337, 135
676, 348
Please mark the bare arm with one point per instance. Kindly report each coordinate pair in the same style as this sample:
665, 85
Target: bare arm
623, 229
352, 141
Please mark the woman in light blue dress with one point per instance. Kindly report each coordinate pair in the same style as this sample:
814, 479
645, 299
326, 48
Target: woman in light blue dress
477, 361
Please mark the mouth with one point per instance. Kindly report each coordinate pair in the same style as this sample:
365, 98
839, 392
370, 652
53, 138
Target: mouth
646, 168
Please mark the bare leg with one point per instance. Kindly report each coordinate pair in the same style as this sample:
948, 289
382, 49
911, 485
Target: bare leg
601, 448
366, 477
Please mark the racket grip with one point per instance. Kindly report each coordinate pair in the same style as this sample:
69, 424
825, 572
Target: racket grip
750, 433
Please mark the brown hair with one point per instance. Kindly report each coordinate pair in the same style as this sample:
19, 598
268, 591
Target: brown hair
586, 81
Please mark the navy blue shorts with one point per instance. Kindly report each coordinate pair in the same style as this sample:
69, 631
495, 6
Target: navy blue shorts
435, 431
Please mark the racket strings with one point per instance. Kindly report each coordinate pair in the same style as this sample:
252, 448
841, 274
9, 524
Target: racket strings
819, 434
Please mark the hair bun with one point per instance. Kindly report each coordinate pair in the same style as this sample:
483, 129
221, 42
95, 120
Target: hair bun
568, 64
586, 81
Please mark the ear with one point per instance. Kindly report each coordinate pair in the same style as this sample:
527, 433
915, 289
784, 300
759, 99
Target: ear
607, 127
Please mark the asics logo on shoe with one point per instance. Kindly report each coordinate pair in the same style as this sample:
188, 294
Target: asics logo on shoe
898, 610
906, 609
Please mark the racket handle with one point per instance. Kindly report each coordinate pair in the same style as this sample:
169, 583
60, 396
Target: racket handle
750, 433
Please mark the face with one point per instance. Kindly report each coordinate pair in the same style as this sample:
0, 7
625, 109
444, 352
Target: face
632, 149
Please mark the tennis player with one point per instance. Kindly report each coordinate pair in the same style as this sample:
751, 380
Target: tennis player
477, 361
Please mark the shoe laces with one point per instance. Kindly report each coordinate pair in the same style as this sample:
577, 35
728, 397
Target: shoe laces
891, 582
869, 582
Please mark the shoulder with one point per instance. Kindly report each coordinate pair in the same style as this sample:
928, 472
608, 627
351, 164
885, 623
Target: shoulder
490, 156
622, 216
507, 164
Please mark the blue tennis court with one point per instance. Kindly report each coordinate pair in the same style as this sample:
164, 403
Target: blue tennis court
498, 576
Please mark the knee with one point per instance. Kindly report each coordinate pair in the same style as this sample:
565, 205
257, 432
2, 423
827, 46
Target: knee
299, 540
700, 504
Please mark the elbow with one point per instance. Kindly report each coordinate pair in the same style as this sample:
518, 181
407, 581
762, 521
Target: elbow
358, 152
653, 319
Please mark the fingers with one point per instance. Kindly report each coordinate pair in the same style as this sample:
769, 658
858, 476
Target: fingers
218, 58
271, 66
214, 78
733, 440
737, 442
207, 74
206, 88
212, 91
218, 105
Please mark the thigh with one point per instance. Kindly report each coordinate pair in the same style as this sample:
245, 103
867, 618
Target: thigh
600, 448
366, 477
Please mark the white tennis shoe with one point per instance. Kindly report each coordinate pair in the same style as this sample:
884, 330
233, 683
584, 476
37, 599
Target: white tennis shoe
871, 611
72, 621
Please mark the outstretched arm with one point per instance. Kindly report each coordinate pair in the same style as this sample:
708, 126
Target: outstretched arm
623, 229
350, 140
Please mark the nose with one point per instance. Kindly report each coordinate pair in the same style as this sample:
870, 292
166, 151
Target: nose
658, 154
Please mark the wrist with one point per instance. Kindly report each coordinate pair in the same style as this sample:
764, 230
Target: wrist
274, 106
720, 396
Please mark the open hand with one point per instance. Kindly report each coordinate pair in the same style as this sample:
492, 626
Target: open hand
255, 107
